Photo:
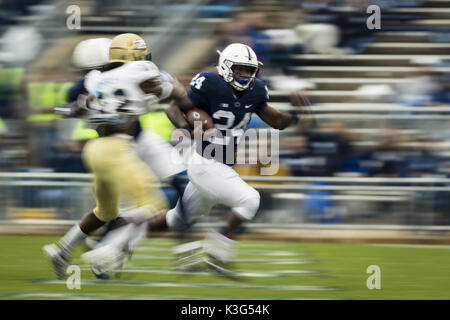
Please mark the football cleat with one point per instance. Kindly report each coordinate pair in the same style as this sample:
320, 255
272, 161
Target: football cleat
221, 268
91, 243
106, 261
218, 246
219, 251
58, 261
189, 256
100, 272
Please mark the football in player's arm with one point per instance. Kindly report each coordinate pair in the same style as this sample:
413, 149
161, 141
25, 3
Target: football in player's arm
184, 102
230, 98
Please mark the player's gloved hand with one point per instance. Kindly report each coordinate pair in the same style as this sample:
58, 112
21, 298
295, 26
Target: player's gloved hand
299, 100
74, 109
79, 107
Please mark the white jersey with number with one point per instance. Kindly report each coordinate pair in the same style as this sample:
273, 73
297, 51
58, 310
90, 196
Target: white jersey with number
111, 88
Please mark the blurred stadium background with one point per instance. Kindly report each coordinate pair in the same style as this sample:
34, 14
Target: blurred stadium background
375, 168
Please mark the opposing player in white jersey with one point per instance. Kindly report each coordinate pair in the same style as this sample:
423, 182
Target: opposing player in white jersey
126, 90
125, 48
230, 98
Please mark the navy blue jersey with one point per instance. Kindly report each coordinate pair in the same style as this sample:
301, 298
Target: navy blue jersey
230, 113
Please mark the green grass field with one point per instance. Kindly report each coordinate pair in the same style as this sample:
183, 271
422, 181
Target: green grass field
270, 270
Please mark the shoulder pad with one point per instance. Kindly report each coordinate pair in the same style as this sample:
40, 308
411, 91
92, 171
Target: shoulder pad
141, 69
91, 80
166, 77
203, 81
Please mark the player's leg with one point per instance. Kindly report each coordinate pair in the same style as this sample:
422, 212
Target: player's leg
107, 197
160, 156
166, 164
145, 200
195, 204
242, 210
189, 255
223, 184
60, 253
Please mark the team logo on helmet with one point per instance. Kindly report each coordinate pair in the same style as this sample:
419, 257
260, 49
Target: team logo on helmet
139, 44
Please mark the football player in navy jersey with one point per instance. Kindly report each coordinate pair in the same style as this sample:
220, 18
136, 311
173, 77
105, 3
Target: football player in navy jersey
230, 98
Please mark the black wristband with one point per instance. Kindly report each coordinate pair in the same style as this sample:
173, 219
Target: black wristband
295, 117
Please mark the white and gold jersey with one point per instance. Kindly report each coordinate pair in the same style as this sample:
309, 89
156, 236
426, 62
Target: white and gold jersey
120, 89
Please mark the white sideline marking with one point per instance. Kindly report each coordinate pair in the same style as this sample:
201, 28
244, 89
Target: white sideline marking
248, 252
149, 267
423, 246
90, 296
240, 273
197, 285
166, 242
242, 260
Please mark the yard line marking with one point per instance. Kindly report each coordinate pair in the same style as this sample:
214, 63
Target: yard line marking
273, 261
174, 268
151, 249
196, 285
276, 253
239, 252
241, 260
240, 244
421, 246
268, 245
239, 273
99, 296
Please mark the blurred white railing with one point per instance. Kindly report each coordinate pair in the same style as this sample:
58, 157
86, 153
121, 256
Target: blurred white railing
85, 179
362, 202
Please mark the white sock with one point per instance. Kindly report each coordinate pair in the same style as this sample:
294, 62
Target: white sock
138, 235
72, 238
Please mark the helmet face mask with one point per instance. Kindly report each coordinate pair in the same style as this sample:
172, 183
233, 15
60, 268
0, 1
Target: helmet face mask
234, 56
243, 75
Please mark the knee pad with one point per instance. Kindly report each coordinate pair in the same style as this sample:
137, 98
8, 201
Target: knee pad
248, 207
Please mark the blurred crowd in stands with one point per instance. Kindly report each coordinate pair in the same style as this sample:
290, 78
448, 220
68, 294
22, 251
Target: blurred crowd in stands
315, 48
32, 137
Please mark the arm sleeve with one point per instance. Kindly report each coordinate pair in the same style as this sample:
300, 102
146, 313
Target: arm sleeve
264, 98
166, 85
77, 89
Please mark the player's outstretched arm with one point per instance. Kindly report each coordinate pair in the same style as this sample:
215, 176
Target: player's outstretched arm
280, 120
277, 119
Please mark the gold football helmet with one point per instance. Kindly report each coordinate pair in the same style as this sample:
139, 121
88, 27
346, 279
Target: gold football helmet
127, 47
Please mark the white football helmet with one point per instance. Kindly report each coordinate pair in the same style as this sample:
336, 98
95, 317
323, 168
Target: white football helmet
237, 54
91, 53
